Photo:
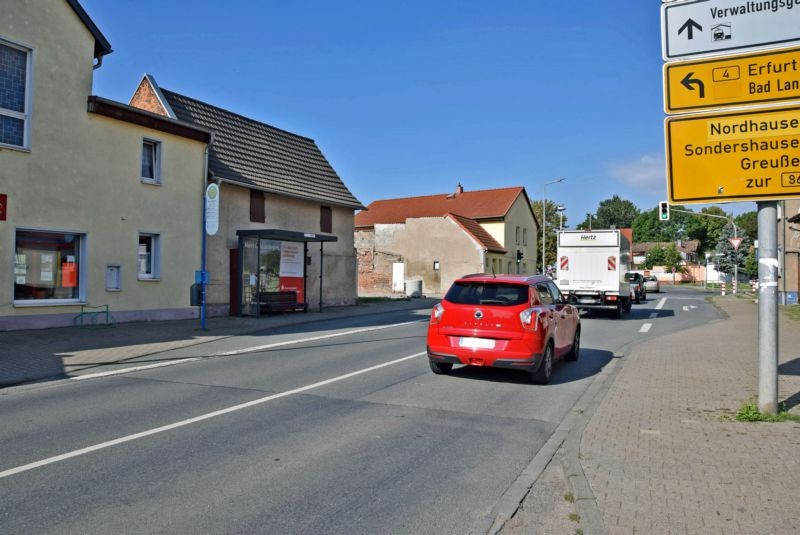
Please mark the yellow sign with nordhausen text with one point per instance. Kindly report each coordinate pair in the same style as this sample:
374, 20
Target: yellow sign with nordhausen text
732, 81
734, 156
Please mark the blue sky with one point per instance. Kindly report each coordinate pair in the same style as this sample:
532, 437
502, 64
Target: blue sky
411, 98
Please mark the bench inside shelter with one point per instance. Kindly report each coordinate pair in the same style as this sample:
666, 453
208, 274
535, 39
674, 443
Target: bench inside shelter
282, 301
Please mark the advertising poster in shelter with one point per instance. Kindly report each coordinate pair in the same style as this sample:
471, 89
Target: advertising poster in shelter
292, 268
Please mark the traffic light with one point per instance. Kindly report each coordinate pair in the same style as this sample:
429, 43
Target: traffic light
663, 211
519, 255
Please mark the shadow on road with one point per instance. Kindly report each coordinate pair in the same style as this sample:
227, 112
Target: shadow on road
590, 363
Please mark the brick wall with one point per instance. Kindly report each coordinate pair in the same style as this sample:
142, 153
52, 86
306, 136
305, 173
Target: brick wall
145, 99
374, 267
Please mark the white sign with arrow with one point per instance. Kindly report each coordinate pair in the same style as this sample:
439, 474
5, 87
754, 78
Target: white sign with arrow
709, 27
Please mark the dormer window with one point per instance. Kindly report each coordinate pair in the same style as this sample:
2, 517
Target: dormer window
15, 66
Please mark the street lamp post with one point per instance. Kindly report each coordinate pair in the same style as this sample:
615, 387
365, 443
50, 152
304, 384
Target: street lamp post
560, 209
544, 217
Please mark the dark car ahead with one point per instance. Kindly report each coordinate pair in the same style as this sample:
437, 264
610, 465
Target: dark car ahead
638, 292
505, 321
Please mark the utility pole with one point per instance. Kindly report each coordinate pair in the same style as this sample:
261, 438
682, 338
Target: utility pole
768, 307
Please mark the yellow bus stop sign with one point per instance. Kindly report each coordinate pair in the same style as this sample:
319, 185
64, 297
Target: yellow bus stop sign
736, 156
732, 81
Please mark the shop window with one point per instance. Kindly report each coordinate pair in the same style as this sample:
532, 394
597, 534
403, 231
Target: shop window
15, 67
47, 266
151, 161
325, 219
257, 214
149, 256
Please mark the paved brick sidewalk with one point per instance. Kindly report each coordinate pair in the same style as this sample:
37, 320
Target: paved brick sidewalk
659, 455
27, 356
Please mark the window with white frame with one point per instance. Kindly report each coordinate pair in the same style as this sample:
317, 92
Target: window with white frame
149, 257
48, 266
151, 161
15, 74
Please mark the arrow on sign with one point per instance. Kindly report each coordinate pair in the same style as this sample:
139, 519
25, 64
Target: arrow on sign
689, 83
690, 26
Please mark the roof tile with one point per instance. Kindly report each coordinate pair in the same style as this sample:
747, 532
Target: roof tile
261, 156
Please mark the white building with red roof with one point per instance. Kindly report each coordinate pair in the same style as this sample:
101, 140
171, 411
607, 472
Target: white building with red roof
438, 238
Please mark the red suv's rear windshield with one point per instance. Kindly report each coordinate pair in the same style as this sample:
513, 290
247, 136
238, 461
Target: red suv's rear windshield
487, 293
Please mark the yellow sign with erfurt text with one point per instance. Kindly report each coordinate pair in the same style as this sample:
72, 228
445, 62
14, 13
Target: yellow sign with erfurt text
736, 156
743, 79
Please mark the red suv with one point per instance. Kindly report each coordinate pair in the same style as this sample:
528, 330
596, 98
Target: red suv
505, 321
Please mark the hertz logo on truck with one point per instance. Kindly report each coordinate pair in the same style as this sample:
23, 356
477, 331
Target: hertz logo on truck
588, 237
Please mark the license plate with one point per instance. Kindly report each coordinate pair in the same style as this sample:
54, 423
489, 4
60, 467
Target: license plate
477, 343
588, 300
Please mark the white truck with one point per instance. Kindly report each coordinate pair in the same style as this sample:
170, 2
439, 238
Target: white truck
591, 267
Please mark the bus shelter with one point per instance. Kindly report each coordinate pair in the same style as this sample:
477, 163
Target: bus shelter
272, 263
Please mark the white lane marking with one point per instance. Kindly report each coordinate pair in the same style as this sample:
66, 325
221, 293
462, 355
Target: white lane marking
132, 369
687, 308
314, 338
653, 315
182, 423
661, 303
123, 371
645, 327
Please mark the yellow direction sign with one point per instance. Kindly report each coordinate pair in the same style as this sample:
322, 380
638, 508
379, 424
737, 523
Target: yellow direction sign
736, 156
732, 81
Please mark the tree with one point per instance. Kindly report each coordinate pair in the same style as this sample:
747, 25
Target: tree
668, 257
731, 257
748, 224
751, 264
551, 230
615, 212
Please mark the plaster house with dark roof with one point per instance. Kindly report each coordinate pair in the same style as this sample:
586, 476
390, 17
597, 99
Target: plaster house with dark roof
687, 249
285, 216
93, 193
438, 238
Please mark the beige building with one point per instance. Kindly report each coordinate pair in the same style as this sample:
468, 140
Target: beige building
789, 247
100, 203
286, 218
438, 238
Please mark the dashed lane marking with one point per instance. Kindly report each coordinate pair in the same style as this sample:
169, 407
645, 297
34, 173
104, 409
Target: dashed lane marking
661, 303
646, 327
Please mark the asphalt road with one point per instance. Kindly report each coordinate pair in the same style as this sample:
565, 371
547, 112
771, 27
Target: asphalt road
334, 428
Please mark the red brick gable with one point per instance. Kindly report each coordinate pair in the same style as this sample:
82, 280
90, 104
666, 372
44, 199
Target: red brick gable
146, 98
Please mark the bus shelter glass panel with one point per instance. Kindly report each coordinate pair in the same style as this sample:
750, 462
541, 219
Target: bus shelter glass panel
250, 276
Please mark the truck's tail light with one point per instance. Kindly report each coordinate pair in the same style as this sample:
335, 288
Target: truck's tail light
437, 313
611, 298
530, 319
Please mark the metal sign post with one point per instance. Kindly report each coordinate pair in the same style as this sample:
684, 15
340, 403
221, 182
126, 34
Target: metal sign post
768, 308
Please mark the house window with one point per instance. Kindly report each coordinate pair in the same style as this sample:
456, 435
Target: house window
517, 236
510, 269
325, 219
257, 214
524, 236
48, 266
151, 161
436, 265
148, 256
15, 66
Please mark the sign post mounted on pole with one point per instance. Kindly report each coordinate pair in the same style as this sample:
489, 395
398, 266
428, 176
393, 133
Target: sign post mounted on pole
740, 154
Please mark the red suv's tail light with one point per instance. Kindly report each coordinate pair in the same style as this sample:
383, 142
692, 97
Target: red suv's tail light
530, 319
436, 314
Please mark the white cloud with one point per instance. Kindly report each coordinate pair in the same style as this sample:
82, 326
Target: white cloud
646, 173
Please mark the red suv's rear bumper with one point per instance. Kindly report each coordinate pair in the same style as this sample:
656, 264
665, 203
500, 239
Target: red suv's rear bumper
520, 354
